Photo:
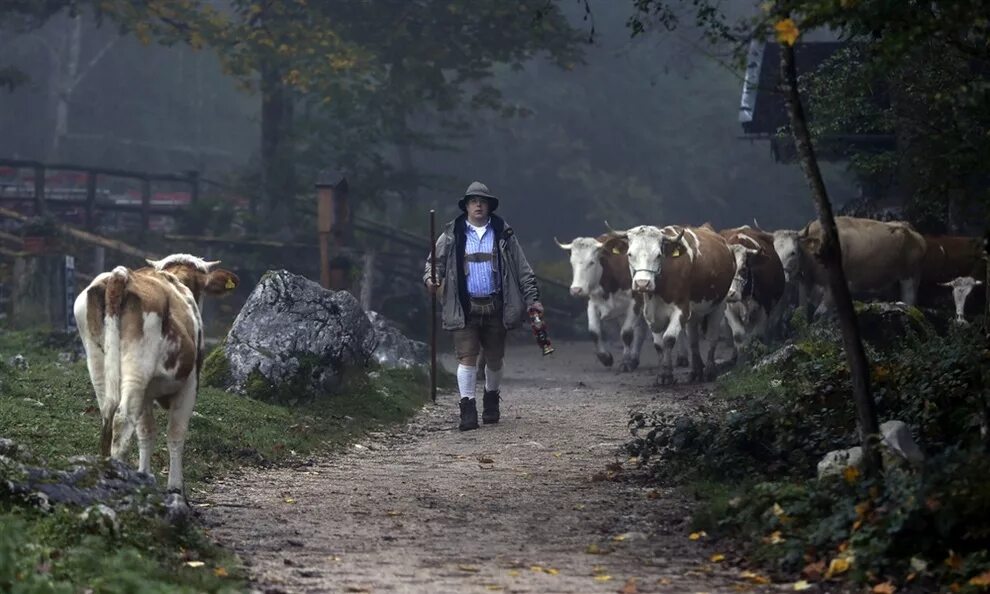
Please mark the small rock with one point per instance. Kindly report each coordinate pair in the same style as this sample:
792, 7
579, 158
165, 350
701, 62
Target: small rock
779, 357
7, 447
18, 362
34, 402
101, 519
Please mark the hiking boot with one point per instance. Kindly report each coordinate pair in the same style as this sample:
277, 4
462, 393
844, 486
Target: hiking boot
469, 414
491, 413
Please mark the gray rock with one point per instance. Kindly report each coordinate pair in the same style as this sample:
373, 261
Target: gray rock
7, 447
836, 461
18, 361
296, 334
101, 519
394, 350
781, 356
885, 324
899, 442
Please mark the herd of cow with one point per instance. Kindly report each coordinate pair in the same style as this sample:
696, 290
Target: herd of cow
682, 284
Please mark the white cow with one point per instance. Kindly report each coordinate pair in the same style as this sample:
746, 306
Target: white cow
961, 288
143, 336
600, 273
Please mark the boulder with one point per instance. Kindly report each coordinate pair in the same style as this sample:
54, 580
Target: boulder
778, 358
393, 349
897, 447
886, 324
296, 337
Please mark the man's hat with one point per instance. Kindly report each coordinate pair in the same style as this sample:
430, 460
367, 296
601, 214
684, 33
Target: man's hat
478, 189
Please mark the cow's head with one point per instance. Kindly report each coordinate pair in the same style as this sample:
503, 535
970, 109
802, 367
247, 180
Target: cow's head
197, 275
648, 248
586, 264
788, 248
961, 288
742, 282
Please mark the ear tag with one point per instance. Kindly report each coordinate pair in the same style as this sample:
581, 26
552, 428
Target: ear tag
677, 252
616, 250
230, 284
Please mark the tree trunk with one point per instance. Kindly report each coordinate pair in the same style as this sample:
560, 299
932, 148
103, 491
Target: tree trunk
831, 257
277, 169
65, 85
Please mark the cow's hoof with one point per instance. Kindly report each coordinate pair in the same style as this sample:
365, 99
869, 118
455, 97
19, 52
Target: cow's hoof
629, 365
682, 361
605, 358
176, 508
665, 379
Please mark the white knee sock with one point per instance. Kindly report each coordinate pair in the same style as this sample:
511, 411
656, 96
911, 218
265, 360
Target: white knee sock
493, 378
466, 377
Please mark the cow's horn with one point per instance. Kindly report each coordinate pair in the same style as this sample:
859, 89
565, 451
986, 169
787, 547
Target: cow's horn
615, 232
756, 225
563, 246
211, 265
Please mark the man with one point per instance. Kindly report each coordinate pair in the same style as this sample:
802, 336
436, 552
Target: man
487, 288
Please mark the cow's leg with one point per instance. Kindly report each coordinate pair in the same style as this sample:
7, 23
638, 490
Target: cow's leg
632, 338
597, 330
668, 340
713, 324
909, 290
737, 328
179, 414
146, 432
133, 387
683, 351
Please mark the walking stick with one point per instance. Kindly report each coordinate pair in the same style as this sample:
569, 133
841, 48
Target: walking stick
433, 308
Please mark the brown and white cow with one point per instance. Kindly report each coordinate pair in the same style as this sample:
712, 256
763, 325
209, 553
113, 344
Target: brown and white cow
684, 275
876, 255
754, 300
600, 273
143, 335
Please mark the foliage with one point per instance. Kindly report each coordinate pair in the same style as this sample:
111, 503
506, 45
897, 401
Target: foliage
752, 450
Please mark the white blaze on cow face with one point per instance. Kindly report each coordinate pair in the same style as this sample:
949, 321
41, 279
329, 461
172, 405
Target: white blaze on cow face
741, 255
961, 288
645, 256
785, 243
586, 265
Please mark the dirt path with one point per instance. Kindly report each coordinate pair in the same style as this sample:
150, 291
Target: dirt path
512, 507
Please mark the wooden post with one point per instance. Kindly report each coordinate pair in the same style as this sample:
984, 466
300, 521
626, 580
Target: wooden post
145, 205
91, 201
40, 207
367, 279
333, 222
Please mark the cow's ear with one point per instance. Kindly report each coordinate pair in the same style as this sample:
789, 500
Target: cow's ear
616, 246
220, 282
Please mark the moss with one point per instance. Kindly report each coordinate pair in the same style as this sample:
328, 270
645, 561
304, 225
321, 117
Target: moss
216, 368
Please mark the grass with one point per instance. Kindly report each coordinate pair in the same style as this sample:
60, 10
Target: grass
49, 410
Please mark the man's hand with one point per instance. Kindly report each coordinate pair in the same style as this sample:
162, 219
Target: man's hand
432, 287
537, 307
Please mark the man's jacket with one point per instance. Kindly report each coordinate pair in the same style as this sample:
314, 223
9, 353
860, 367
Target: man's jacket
518, 283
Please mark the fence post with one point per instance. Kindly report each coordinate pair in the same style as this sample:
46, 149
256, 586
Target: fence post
333, 222
91, 201
367, 279
145, 205
40, 206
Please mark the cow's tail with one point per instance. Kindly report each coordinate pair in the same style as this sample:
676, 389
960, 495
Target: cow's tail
114, 299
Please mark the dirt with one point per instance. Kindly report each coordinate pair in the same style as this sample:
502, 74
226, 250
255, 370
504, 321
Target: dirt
541, 502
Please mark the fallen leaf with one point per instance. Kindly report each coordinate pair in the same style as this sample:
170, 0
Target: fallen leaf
485, 460
333, 558
653, 494
289, 500
857, 524
513, 573
787, 31
469, 568
664, 581
954, 561
980, 580
717, 557
602, 578
837, 566
493, 588
194, 564
594, 549
220, 572
801, 585
598, 570
536, 568
392, 513
579, 506
884, 588
851, 474
776, 538
630, 587
620, 537
918, 564
754, 577
551, 571
777, 510
813, 571
697, 535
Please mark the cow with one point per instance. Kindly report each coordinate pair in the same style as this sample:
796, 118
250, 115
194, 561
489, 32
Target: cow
684, 275
961, 288
875, 256
600, 273
950, 257
143, 336
754, 300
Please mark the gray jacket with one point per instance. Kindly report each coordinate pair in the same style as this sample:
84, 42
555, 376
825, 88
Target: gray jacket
519, 289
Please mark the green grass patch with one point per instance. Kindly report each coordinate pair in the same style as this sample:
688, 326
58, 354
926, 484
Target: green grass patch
49, 409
